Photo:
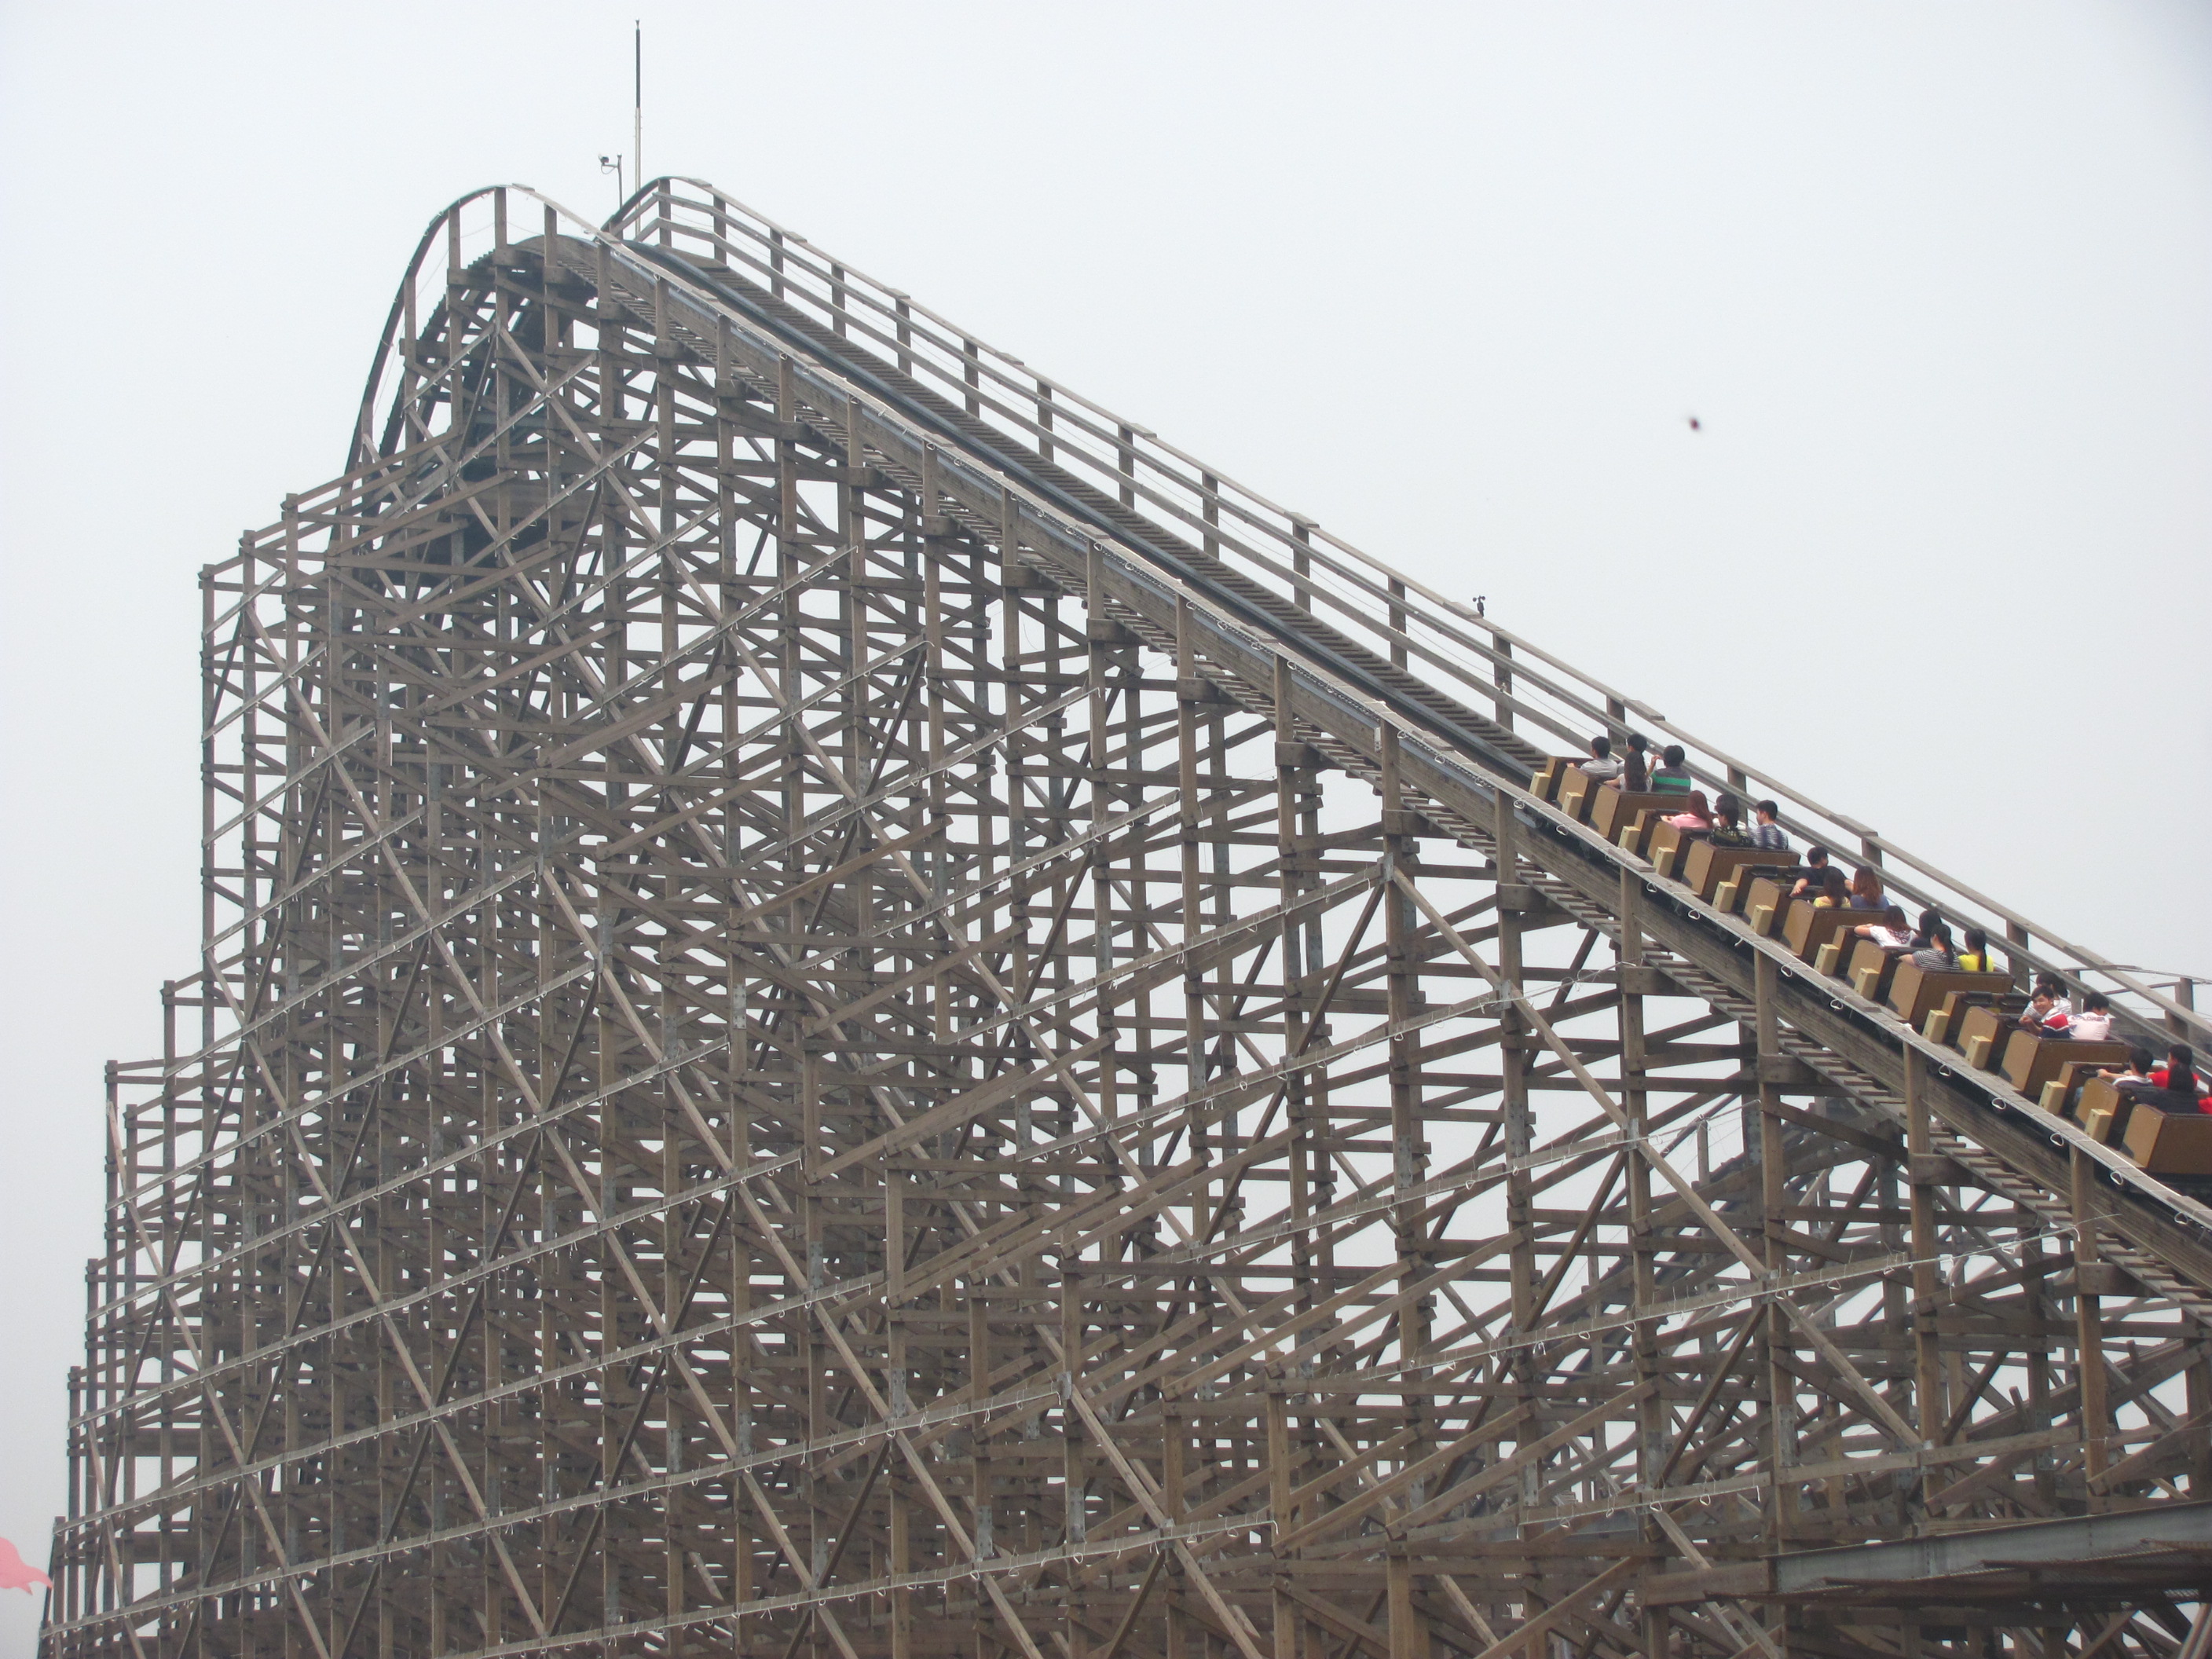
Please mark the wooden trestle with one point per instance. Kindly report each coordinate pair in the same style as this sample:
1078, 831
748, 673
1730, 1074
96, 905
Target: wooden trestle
849, 1009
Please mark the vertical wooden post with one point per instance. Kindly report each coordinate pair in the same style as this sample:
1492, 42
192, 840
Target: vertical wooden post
1409, 1635
1932, 1403
1779, 1386
2089, 1331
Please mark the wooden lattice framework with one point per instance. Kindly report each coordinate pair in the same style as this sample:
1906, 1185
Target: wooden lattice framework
849, 1008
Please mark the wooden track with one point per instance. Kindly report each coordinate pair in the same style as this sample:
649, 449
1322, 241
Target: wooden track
848, 1009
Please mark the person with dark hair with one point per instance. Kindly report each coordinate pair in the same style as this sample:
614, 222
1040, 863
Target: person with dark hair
1833, 893
1673, 776
2135, 1074
1728, 822
2178, 1075
2057, 1016
1890, 932
2094, 1023
1866, 892
1936, 956
1974, 958
1811, 875
1601, 764
2136, 1090
1635, 768
1931, 945
2049, 1015
1766, 832
1695, 819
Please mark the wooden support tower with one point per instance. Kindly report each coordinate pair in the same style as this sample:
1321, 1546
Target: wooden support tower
850, 1010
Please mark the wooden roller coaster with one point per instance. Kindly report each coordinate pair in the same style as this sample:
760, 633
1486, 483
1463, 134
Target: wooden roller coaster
849, 1008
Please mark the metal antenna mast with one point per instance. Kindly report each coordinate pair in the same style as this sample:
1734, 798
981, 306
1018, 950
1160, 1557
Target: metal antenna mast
637, 103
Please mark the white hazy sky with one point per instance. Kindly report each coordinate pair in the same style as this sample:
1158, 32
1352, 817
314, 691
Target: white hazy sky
1451, 279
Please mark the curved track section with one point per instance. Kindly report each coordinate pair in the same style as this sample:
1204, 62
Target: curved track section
850, 1007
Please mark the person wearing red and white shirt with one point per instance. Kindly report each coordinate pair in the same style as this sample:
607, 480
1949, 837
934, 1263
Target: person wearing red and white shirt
2094, 1023
2049, 1014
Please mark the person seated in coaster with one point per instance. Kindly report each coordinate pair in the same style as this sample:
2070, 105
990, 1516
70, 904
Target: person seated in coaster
2184, 1089
1974, 956
2049, 1013
2178, 1075
1808, 879
2134, 1077
1728, 822
2142, 1089
1635, 765
1932, 953
1601, 764
2062, 1000
1890, 932
2094, 1023
1766, 832
1673, 776
1866, 892
1832, 893
1697, 819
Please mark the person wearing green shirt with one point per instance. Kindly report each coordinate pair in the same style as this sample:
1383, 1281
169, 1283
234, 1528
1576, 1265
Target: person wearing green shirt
1671, 776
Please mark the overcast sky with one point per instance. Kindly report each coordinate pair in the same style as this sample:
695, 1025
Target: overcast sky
1937, 280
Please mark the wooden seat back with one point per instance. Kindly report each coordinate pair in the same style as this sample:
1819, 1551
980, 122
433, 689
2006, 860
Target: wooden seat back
1635, 830
1667, 844
1544, 784
1707, 866
1609, 809
1983, 1032
2169, 1143
2059, 1095
1917, 993
1871, 970
1577, 791
1808, 925
2031, 1061
2105, 1108
1957, 1005
2099, 1110
1765, 903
